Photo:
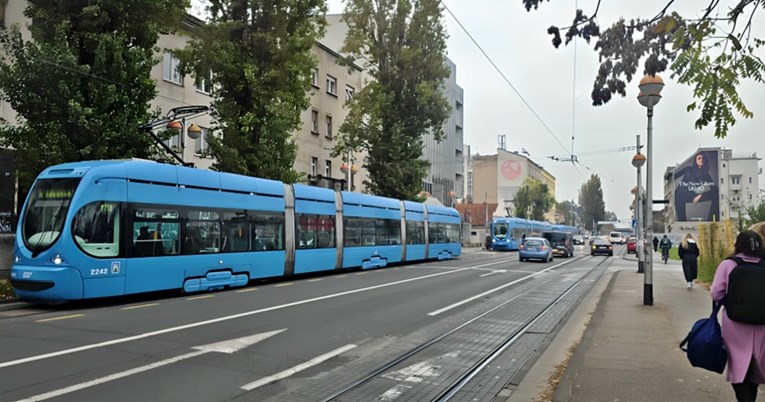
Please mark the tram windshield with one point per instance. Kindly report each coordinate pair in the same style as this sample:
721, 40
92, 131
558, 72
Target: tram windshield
500, 230
47, 206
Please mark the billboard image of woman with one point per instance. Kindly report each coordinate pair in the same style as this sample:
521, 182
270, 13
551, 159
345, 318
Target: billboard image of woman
696, 190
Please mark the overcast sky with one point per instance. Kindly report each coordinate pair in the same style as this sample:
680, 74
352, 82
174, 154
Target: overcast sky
556, 83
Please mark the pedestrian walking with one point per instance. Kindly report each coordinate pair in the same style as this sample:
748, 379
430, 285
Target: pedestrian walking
745, 342
655, 244
689, 254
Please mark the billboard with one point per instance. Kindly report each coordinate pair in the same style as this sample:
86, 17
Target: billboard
696, 188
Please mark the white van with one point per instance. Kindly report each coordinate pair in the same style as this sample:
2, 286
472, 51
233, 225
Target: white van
616, 238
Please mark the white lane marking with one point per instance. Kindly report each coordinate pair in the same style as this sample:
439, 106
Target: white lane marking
496, 271
229, 347
296, 369
222, 319
416, 373
468, 300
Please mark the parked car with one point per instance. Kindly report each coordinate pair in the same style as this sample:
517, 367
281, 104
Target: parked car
562, 243
600, 246
537, 248
632, 245
578, 239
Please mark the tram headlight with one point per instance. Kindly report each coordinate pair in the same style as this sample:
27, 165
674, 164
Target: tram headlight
57, 260
17, 259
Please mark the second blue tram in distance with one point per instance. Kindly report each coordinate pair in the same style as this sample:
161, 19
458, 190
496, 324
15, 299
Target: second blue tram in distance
117, 227
507, 233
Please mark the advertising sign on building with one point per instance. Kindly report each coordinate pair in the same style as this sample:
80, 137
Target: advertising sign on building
696, 188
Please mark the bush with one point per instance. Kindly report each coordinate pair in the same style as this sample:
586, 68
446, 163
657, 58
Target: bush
6, 291
716, 241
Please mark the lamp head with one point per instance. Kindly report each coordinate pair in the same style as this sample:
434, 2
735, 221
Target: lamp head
638, 160
651, 85
194, 131
344, 168
174, 125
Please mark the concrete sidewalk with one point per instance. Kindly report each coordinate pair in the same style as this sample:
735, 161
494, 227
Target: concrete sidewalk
625, 351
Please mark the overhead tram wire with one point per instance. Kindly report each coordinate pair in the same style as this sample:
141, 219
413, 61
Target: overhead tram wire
549, 130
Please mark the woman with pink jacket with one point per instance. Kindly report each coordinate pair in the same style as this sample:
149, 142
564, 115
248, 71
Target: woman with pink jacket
745, 342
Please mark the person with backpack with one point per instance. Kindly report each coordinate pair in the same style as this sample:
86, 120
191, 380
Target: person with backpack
665, 244
689, 254
738, 283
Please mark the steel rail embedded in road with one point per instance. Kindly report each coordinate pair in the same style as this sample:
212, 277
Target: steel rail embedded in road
455, 386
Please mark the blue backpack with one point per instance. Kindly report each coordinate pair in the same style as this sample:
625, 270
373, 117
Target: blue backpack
705, 343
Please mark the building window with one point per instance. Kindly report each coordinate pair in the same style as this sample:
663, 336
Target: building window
314, 162
329, 126
349, 91
750, 179
327, 168
315, 77
735, 180
204, 84
170, 70
331, 85
315, 121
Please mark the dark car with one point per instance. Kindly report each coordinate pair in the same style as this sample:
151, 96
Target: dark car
562, 243
600, 246
578, 239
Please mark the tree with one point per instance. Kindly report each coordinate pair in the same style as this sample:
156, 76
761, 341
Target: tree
610, 216
567, 209
259, 55
752, 214
591, 200
533, 200
711, 52
82, 85
403, 47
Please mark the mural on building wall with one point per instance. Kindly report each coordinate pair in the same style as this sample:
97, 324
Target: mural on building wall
696, 188
512, 170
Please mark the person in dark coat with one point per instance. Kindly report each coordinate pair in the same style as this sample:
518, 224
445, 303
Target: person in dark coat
689, 253
655, 244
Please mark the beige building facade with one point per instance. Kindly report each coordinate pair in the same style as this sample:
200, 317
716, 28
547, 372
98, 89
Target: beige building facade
497, 178
333, 84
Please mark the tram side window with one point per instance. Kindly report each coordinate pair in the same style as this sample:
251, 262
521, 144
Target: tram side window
452, 233
415, 232
235, 232
203, 233
368, 232
315, 231
436, 233
352, 235
155, 232
267, 231
388, 232
96, 229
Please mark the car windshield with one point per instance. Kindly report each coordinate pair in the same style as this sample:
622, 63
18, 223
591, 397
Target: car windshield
535, 243
47, 205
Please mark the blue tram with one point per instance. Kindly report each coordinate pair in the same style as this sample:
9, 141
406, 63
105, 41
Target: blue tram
110, 228
507, 233
565, 228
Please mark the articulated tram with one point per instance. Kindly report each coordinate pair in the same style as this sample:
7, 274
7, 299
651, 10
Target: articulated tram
118, 227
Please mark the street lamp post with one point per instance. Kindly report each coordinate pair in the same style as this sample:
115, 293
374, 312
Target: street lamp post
638, 161
349, 169
649, 96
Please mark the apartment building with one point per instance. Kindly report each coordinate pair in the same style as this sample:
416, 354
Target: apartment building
712, 184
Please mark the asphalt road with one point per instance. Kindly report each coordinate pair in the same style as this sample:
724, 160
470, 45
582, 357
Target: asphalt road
295, 340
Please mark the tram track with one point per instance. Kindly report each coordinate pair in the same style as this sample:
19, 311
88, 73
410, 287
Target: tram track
436, 381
